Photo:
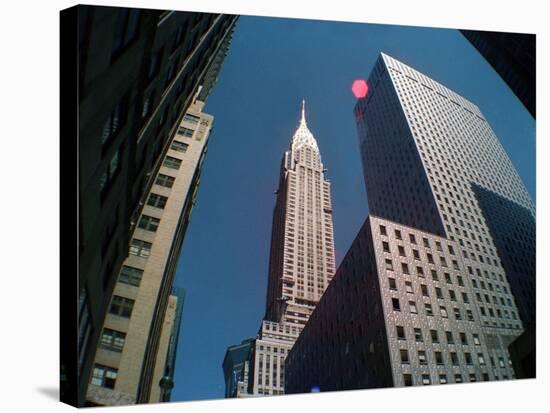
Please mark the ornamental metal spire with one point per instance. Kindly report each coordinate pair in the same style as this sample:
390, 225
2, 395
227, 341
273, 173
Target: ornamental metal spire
303, 135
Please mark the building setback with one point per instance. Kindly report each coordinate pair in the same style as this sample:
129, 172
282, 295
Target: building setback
433, 169
397, 313
133, 348
138, 71
301, 260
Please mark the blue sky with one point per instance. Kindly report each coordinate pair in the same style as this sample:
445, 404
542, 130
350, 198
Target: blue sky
272, 64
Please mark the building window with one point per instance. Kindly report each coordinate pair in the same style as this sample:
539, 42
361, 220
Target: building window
157, 201
407, 380
422, 359
165, 180
473, 377
426, 380
438, 293
438, 357
416, 254
171, 162
179, 146
385, 246
412, 238
452, 295
429, 310
114, 121
389, 265
418, 335
147, 106
191, 118
454, 358
424, 290
400, 332
140, 248
476, 339
435, 336
182, 131
383, 230
404, 356
458, 378
463, 339
401, 250
480, 359
130, 275
458, 316
112, 339
395, 304
125, 31
412, 307
104, 376
121, 306
442, 379
408, 287
149, 223
109, 173
404, 268
393, 286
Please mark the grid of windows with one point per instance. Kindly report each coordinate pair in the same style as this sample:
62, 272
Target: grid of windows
104, 376
149, 223
171, 162
165, 180
130, 275
121, 306
157, 201
112, 340
179, 146
140, 248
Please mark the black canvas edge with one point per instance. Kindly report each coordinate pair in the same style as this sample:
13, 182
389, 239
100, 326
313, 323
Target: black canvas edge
68, 166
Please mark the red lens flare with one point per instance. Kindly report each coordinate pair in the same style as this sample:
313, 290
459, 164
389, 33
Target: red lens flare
360, 88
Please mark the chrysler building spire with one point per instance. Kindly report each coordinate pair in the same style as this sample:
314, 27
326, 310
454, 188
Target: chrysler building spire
303, 135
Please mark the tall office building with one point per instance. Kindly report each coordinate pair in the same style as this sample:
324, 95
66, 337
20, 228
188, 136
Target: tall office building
133, 73
513, 56
301, 259
235, 366
438, 281
134, 347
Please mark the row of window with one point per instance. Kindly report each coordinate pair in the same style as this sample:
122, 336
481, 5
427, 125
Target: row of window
429, 310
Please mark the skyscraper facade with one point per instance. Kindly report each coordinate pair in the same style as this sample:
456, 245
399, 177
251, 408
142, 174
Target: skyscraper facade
431, 161
424, 294
513, 56
134, 347
302, 245
134, 73
301, 259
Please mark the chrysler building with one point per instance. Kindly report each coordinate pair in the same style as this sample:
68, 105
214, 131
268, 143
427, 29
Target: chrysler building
301, 263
